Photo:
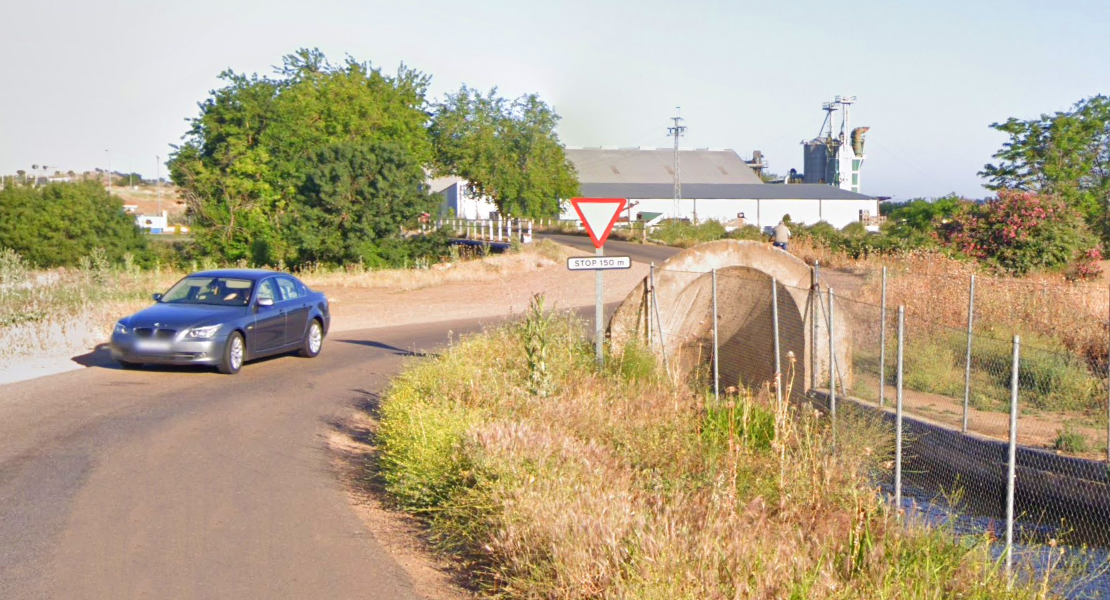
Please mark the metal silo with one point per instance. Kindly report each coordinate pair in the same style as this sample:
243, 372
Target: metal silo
816, 162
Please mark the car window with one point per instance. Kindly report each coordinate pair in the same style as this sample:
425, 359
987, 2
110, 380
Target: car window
266, 291
209, 290
289, 288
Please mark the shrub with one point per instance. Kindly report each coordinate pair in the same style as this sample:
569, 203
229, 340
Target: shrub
1019, 232
58, 224
1069, 440
675, 232
747, 232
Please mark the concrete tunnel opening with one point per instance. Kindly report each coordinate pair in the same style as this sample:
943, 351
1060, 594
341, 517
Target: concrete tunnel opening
745, 330
745, 271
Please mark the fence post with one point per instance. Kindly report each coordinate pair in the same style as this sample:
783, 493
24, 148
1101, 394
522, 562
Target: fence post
832, 360
898, 410
882, 344
649, 299
658, 321
1108, 403
775, 329
716, 346
1011, 466
815, 301
967, 367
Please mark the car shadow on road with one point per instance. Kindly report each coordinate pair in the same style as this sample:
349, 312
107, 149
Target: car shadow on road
99, 357
393, 349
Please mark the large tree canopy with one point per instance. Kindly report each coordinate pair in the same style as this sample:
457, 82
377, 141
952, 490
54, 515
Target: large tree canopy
1066, 154
247, 160
508, 151
357, 194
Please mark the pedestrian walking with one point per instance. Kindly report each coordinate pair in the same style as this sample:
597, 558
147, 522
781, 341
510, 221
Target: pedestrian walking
782, 235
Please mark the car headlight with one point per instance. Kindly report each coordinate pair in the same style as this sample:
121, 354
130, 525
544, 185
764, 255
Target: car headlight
121, 328
202, 332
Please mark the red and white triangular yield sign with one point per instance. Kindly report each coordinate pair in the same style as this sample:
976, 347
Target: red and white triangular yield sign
598, 215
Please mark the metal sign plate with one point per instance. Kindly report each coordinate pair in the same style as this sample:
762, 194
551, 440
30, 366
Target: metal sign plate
598, 263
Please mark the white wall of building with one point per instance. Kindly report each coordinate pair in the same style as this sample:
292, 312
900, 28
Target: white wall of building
457, 199
155, 223
761, 213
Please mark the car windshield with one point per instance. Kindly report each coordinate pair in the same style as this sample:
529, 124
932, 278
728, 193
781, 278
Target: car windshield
217, 291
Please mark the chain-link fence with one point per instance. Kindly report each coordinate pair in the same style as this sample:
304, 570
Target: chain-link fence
1010, 434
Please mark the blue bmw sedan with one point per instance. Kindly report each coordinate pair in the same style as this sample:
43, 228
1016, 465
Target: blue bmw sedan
223, 318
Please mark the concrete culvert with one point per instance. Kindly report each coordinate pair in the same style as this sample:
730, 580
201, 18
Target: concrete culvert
745, 270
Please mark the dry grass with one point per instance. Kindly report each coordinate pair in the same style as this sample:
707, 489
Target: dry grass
526, 258
622, 484
61, 312
1061, 315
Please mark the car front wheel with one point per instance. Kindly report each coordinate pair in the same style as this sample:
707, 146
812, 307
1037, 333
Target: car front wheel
314, 341
234, 352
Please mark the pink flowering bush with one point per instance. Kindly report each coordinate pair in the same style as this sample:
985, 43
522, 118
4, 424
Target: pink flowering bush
1020, 231
1087, 266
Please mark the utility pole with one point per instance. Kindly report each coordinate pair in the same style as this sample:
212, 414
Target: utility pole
109, 172
678, 130
158, 181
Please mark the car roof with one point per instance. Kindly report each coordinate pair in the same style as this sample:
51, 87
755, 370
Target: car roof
251, 274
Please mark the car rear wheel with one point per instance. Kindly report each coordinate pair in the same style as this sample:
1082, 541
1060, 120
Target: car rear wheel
130, 366
314, 341
234, 352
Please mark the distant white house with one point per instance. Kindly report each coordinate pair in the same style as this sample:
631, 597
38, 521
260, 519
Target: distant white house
154, 223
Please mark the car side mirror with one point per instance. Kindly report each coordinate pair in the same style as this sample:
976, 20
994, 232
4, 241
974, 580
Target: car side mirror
265, 302
157, 297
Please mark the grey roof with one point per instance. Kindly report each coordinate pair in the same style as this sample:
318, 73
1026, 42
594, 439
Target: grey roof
711, 191
635, 165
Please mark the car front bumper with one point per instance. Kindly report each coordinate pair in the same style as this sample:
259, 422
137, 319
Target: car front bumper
127, 347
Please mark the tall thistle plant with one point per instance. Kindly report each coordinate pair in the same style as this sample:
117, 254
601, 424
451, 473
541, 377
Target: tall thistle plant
537, 333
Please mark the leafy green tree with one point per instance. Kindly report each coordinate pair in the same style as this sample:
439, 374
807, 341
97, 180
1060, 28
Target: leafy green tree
1066, 154
356, 195
245, 159
59, 223
507, 151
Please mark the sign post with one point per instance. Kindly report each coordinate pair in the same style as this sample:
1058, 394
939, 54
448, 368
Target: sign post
598, 215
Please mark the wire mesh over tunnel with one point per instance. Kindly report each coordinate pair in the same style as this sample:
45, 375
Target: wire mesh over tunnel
673, 312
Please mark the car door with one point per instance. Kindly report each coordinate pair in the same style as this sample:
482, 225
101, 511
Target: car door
269, 321
295, 304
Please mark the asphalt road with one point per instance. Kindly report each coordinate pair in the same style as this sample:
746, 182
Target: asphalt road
182, 483
641, 253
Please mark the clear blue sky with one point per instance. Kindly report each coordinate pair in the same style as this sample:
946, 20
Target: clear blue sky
81, 77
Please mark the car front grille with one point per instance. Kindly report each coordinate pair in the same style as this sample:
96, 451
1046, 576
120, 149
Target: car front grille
156, 334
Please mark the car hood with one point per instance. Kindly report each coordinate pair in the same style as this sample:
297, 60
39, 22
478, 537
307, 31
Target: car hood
178, 316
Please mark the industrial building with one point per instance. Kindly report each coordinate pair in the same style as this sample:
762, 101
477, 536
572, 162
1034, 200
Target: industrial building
834, 159
715, 184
